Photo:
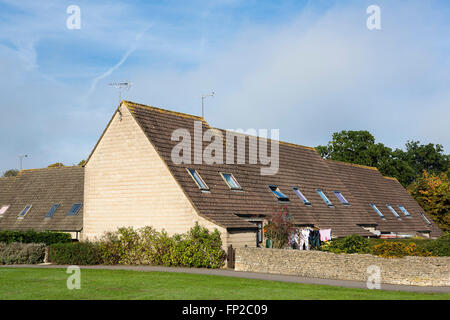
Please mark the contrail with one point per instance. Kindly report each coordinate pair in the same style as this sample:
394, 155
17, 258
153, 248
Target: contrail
117, 65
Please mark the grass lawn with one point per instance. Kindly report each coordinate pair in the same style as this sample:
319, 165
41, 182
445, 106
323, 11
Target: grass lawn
34, 283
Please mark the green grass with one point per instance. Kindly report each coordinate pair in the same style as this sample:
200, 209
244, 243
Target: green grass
35, 283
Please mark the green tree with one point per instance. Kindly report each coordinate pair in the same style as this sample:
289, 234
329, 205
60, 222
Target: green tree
359, 147
81, 163
11, 173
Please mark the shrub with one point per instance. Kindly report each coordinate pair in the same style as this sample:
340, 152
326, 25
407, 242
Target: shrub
197, 248
31, 236
349, 244
22, 253
440, 246
394, 249
279, 228
79, 253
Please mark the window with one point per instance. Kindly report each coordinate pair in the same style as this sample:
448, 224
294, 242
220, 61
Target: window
3, 209
74, 210
52, 211
301, 196
341, 198
393, 211
198, 180
405, 212
377, 210
425, 218
277, 192
324, 197
231, 181
24, 211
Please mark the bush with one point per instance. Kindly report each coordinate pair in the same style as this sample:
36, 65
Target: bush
440, 246
350, 244
22, 253
78, 253
31, 236
279, 228
393, 249
197, 248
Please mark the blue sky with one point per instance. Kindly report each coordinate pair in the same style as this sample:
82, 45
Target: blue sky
308, 68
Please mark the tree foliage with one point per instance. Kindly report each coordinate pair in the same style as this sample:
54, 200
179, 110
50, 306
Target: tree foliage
432, 192
279, 228
360, 147
10, 173
56, 165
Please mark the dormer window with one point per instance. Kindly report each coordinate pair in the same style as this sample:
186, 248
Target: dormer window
277, 192
231, 181
198, 180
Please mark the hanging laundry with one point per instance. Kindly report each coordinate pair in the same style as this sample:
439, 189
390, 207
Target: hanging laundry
314, 239
304, 239
325, 235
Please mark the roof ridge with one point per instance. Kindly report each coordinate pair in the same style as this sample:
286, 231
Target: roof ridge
130, 104
391, 178
353, 164
279, 141
48, 168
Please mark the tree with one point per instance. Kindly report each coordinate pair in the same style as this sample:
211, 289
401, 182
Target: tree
81, 163
56, 165
359, 147
11, 173
432, 192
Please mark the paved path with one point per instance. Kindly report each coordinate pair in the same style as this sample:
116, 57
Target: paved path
253, 275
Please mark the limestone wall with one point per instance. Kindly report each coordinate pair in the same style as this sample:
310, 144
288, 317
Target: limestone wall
421, 271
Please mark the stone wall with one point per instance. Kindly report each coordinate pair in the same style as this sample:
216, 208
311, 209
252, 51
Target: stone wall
421, 271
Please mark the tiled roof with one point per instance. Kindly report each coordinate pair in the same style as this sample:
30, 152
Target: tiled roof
370, 186
42, 188
299, 166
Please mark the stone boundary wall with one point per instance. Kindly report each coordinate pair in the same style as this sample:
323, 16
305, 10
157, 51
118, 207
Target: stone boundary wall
420, 271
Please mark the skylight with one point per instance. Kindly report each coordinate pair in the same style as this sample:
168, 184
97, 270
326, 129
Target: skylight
377, 210
424, 217
3, 209
24, 211
277, 192
393, 211
198, 180
231, 181
324, 197
301, 196
52, 211
341, 197
405, 212
74, 210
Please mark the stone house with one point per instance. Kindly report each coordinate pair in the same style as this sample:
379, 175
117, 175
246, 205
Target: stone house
134, 177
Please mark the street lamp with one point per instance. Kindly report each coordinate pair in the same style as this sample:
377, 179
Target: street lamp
203, 98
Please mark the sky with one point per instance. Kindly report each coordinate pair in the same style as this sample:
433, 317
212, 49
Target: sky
307, 68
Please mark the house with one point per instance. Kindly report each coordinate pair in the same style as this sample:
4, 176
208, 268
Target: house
134, 177
43, 199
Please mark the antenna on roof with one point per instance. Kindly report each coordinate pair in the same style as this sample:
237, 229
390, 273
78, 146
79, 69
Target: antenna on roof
203, 103
119, 85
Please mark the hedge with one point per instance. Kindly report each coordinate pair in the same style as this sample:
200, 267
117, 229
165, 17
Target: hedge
31, 236
22, 253
78, 253
145, 246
